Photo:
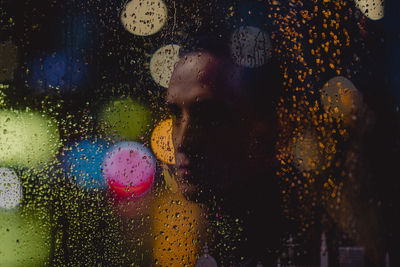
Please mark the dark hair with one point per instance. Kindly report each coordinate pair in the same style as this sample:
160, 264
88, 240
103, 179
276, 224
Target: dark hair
262, 84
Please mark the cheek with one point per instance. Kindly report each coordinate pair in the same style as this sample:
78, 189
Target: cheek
174, 134
225, 141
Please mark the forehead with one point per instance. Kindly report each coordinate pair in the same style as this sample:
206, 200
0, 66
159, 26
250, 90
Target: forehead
195, 78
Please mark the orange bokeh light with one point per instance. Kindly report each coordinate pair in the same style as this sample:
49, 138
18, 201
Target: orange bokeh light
161, 142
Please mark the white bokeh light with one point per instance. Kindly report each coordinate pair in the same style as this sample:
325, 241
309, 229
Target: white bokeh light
372, 9
10, 189
144, 17
163, 62
250, 47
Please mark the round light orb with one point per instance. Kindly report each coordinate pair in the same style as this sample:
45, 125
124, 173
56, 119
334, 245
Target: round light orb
162, 64
28, 139
305, 152
83, 163
250, 47
144, 17
25, 240
60, 71
341, 99
129, 168
125, 119
10, 189
161, 142
176, 228
372, 9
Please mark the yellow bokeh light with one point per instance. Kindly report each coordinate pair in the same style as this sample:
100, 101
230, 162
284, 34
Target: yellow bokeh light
163, 62
161, 142
176, 228
306, 153
340, 97
372, 9
144, 18
27, 139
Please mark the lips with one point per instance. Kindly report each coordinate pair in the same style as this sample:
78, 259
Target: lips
184, 171
183, 165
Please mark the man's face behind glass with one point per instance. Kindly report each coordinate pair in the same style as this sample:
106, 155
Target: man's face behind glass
208, 130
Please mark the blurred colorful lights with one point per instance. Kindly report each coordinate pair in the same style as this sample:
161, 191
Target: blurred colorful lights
125, 119
161, 142
372, 9
163, 62
82, 162
129, 168
10, 189
341, 99
143, 18
25, 240
58, 71
250, 47
27, 139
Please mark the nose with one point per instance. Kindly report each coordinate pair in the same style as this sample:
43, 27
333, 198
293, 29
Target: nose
181, 133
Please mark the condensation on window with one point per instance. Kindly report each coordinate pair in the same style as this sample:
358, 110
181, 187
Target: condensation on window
199, 133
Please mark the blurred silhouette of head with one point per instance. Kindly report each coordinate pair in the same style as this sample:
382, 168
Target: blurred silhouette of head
223, 114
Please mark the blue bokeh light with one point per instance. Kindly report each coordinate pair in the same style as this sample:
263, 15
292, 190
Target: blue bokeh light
82, 162
61, 71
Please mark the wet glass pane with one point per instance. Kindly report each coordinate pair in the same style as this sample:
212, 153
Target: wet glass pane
199, 133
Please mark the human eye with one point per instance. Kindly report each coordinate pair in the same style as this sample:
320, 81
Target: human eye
209, 114
175, 112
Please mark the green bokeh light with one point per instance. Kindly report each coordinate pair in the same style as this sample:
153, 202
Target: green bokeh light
125, 120
25, 240
27, 139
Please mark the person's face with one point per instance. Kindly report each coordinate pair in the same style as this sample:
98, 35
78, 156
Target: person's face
207, 128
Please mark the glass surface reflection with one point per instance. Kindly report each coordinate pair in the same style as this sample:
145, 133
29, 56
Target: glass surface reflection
192, 133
